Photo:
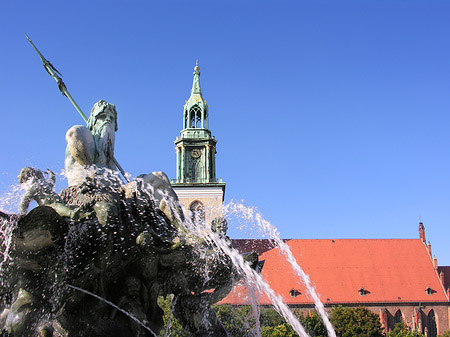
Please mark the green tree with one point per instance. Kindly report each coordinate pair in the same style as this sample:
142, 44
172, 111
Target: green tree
273, 324
401, 330
270, 317
313, 324
445, 334
282, 330
355, 322
175, 329
237, 321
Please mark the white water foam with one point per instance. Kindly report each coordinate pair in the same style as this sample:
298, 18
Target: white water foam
268, 230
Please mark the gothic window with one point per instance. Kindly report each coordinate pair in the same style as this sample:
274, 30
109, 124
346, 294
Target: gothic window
398, 317
196, 116
431, 324
197, 211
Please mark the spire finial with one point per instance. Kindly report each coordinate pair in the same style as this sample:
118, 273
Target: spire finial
197, 68
196, 84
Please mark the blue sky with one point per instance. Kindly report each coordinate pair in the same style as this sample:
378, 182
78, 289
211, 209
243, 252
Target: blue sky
332, 117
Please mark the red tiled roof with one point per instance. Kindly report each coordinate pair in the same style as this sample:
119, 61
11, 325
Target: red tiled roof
389, 270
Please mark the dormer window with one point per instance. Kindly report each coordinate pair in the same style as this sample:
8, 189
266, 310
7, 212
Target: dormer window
294, 292
429, 291
363, 292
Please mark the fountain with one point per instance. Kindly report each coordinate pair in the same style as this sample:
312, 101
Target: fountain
94, 259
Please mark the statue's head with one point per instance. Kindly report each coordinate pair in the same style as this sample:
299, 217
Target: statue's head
28, 173
102, 112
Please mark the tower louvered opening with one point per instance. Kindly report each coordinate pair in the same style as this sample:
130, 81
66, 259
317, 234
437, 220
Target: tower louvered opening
195, 114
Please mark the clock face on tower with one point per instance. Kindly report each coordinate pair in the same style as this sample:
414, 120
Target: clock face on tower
196, 153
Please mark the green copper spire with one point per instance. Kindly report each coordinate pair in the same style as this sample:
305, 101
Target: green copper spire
196, 109
196, 83
196, 147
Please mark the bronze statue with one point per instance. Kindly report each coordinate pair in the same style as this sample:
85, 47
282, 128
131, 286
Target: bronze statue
91, 145
41, 190
93, 259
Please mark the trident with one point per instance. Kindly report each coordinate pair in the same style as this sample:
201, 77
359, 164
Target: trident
53, 72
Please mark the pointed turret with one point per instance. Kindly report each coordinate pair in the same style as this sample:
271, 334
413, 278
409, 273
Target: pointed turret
196, 109
196, 83
196, 146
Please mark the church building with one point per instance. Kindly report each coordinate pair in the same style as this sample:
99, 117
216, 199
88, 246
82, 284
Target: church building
196, 185
398, 279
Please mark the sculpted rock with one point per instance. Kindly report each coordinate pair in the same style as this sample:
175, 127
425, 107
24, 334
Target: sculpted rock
158, 184
100, 274
41, 190
20, 315
93, 260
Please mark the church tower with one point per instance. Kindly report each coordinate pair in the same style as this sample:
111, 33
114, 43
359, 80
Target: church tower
196, 185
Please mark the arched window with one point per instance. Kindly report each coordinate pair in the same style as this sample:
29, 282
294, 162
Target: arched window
197, 211
196, 116
398, 317
431, 324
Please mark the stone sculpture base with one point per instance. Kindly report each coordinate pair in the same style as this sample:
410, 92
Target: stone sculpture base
66, 275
